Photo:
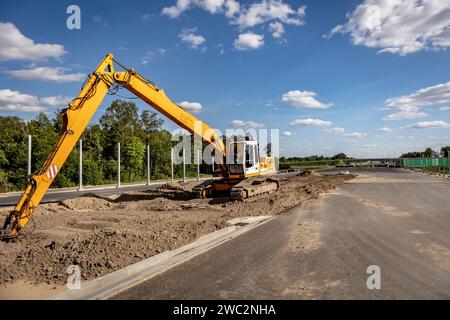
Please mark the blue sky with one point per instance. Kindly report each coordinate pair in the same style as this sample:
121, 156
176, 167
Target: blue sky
362, 77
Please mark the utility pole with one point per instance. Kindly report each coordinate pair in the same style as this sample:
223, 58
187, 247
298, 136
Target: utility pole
198, 165
118, 165
184, 165
80, 178
29, 154
171, 164
148, 164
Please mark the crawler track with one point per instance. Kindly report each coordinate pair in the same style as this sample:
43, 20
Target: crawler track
254, 187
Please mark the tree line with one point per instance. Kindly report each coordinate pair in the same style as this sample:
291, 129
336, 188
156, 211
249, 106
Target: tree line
427, 153
339, 156
121, 123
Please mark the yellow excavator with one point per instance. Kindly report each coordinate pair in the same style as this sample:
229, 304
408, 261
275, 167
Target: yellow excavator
242, 173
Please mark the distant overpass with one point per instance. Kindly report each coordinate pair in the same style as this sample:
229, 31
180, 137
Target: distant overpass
375, 162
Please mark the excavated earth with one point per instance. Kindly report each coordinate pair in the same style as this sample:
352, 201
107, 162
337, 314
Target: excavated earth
103, 234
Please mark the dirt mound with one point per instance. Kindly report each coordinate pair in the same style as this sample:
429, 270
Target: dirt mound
171, 186
102, 235
87, 202
179, 186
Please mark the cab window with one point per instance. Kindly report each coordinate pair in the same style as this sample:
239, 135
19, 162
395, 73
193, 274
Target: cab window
249, 156
236, 153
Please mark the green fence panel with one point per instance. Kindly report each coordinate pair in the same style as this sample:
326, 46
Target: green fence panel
425, 162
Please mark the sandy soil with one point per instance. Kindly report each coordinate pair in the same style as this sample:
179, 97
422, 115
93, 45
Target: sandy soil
105, 234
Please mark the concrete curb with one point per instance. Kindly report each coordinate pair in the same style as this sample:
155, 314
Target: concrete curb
111, 284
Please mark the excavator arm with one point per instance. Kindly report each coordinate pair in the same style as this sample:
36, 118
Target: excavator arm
75, 120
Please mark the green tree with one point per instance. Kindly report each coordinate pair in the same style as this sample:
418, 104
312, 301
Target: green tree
338, 156
150, 122
13, 147
5, 186
44, 138
160, 144
445, 151
412, 155
109, 170
134, 157
92, 175
120, 122
93, 150
3, 161
428, 153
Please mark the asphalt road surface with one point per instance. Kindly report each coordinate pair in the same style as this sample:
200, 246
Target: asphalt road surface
391, 218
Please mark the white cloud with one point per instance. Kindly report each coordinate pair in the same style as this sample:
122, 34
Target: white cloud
269, 103
189, 36
16, 46
446, 108
399, 26
161, 51
176, 10
275, 12
55, 101
286, 133
372, 145
14, 101
269, 10
9, 97
403, 115
403, 137
229, 7
335, 130
355, 135
191, 106
247, 124
384, 129
247, 41
245, 16
97, 18
428, 124
56, 74
439, 93
150, 54
232, 8
304, 99
145, 16
221, 49
444, 138
277, 29
408, 106
311, 122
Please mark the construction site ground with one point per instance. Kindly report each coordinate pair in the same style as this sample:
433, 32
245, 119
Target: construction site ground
102, 234
393, 219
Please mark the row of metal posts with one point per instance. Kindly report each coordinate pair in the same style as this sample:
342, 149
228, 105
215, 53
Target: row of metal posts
80, 182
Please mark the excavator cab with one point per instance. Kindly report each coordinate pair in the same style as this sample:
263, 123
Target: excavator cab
243, 159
